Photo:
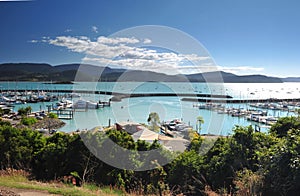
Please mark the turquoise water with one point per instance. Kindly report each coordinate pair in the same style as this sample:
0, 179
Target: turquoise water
168, 108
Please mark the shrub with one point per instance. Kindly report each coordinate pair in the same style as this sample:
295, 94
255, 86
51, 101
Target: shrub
52, 115
28, 121
24, 111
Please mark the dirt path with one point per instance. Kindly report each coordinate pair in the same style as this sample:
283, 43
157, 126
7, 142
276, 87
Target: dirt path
5, 191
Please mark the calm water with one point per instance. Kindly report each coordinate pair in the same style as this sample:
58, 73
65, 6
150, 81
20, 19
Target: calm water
168, 108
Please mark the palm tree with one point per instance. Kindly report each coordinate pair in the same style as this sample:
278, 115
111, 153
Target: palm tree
154, 121
28, 110
200, 121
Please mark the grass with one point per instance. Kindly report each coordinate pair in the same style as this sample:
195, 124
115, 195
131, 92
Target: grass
21, 182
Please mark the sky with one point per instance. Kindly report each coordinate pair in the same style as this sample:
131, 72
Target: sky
237, 36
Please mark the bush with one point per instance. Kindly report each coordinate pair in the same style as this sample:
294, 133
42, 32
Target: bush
52, 115
4, 123
28, 121
24, 111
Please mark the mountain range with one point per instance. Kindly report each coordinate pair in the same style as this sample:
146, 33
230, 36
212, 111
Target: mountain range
85, 72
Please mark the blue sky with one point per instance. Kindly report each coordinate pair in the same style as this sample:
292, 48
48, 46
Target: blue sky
243, 37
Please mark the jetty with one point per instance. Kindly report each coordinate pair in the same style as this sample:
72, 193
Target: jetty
63, 114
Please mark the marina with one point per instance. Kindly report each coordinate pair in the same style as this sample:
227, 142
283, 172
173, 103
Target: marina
81, 108
251, 114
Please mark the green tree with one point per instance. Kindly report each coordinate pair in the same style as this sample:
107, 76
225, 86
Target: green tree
4, 123
283, 125
154, 121
200, 121
188, 168
28, 110
246, 149
53, 160
24, 111
196, 141
282, 166
18, 147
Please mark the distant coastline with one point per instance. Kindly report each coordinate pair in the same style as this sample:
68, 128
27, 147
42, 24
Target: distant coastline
68, 73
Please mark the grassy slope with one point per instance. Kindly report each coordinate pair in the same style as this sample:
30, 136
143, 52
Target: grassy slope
21, 182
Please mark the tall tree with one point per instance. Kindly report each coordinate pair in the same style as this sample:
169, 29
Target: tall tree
154, 121
200, 121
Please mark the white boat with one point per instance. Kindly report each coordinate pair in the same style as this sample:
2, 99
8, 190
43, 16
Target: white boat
64, 103
83, 104
5, 99
74, 95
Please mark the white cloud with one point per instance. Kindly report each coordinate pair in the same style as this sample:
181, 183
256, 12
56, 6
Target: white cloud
33, 41
147, 41
74, 44
194, 57
241, 69
123, 52
118, 40
95, 29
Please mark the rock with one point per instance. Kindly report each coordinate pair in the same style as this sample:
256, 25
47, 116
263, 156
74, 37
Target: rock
53, 123
8, 193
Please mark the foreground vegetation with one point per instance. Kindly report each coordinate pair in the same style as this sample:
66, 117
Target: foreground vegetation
246, 163
19, 179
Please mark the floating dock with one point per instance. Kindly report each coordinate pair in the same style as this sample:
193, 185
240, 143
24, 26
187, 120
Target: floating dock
63, 114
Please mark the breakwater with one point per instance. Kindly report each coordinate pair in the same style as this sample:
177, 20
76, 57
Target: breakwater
241, 100
119, 96
191, 97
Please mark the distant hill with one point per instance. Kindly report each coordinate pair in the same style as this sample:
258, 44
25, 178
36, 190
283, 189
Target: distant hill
86, 72
27, 67
253, 79
225, 77
25, 71
291, 79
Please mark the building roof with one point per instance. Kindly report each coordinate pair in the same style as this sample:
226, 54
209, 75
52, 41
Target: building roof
139, 132
130, 127
174, 144
145, 134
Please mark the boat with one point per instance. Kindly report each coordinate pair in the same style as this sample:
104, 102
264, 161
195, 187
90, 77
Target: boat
64, 103
74, 95
83, 104
104, 104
